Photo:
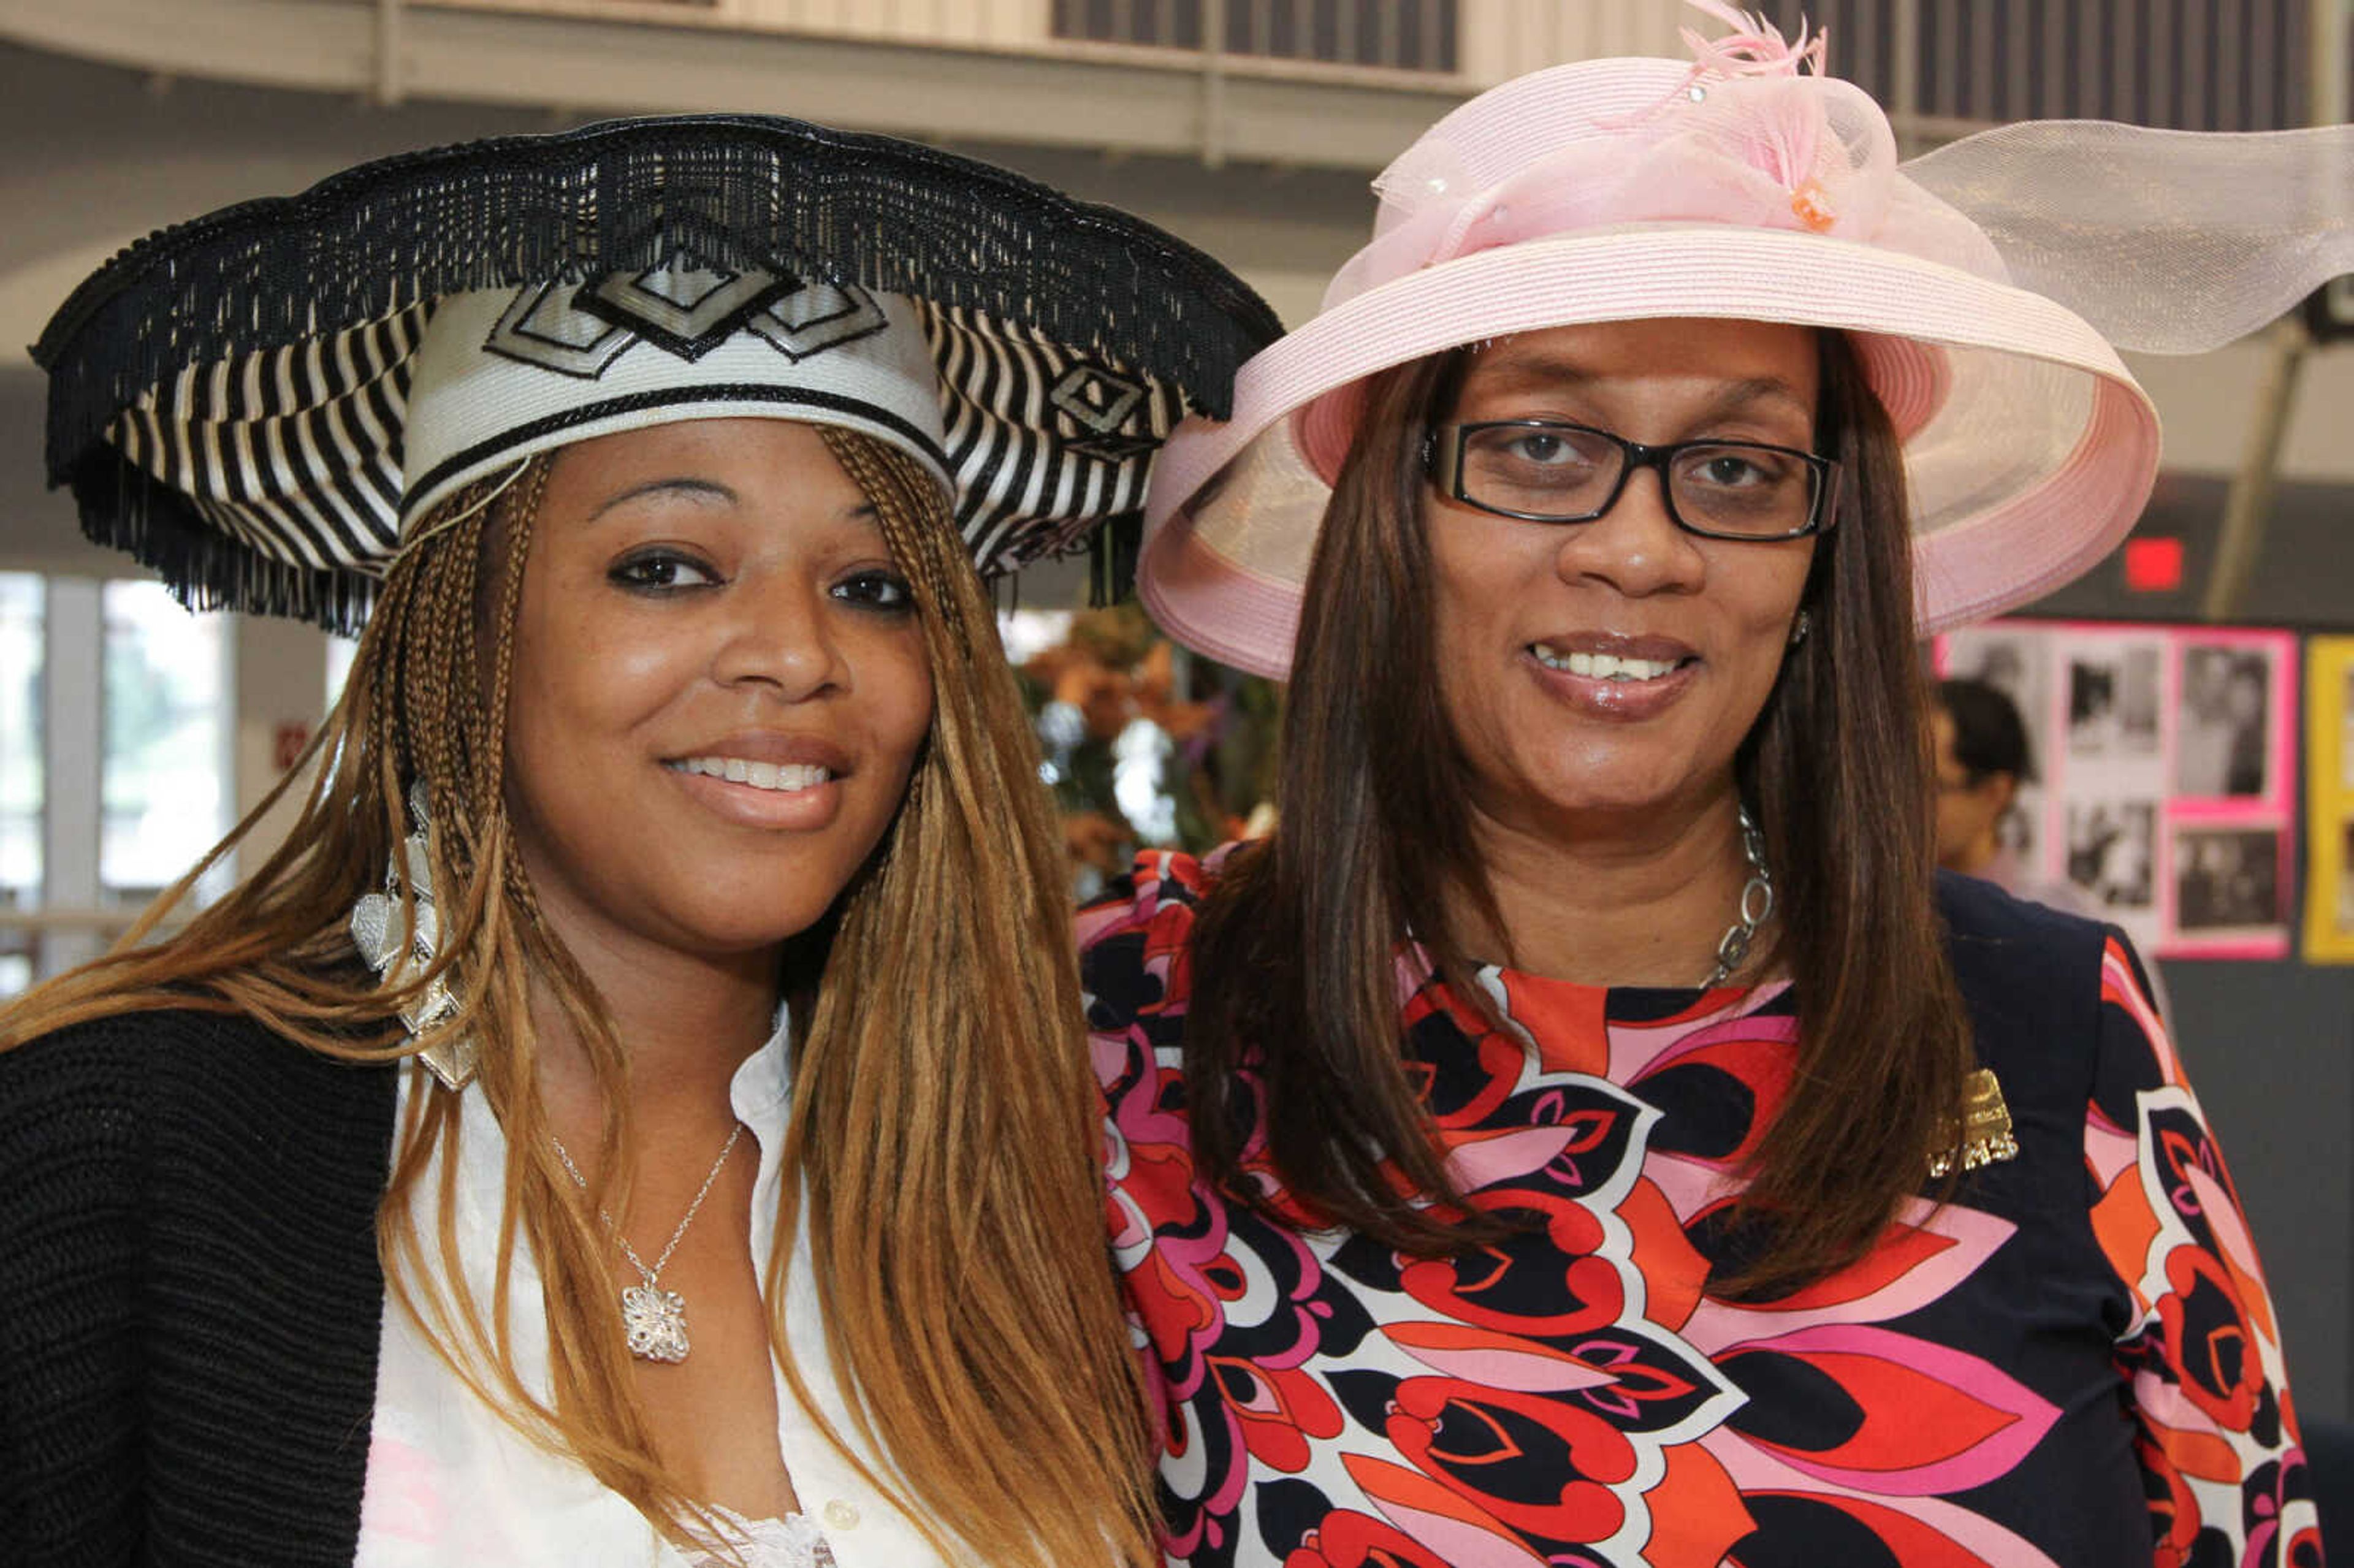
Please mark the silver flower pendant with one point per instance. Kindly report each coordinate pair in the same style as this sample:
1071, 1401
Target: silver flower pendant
656, 1321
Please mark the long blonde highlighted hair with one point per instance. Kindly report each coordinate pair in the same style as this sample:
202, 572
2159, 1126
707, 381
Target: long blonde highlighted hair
944, 1121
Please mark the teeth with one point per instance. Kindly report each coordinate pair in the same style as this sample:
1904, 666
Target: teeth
786, 777
1602, 667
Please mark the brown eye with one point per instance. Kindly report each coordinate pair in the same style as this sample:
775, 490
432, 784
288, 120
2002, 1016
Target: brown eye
1539, 447
876, 589
660, 571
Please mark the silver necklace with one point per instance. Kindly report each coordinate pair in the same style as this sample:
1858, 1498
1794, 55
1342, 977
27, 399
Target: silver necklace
1757, 908
655, 1319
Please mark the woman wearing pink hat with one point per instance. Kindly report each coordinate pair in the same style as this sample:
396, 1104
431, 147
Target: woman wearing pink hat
1588, 1131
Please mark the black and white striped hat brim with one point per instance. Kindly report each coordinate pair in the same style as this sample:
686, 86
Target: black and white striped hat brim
233, 401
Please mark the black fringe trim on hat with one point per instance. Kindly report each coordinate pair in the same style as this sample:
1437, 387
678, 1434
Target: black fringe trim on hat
721, 190
123, 507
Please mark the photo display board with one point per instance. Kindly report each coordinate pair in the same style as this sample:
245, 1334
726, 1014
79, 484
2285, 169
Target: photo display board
2329, 800
2166, 787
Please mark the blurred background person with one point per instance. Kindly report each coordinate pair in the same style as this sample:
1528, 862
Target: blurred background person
1983, 759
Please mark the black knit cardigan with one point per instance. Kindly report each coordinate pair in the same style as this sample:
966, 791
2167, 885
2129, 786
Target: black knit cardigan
190, 1302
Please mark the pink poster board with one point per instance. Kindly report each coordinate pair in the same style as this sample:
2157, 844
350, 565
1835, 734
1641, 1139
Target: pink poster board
2166, 787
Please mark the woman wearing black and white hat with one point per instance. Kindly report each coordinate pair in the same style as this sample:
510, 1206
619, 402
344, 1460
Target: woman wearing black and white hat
399, 1207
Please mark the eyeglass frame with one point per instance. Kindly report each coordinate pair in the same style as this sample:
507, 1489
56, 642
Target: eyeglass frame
1820, 518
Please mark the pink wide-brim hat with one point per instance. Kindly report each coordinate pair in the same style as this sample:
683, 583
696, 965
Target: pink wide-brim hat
1736, 187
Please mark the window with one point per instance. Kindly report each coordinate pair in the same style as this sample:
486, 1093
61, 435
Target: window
166, 759
341, 652
2219, 65
116, 768
22, 666
1396, 35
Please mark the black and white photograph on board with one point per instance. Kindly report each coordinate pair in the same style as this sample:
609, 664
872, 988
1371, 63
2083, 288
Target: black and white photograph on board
2346, 732
2345, 877
2113, 702
2112, 852
2017, 666
2221, 747
2226, 878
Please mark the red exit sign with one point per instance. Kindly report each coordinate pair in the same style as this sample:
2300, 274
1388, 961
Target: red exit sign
2153, 565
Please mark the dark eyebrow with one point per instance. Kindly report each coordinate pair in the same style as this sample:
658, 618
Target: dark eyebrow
1739, 395
700, 489
1519, 370
1516, 367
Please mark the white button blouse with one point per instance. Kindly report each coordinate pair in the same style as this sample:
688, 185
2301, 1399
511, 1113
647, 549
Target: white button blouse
450, 1482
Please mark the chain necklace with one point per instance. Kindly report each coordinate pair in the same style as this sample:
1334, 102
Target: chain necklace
655, 1318
1756, 908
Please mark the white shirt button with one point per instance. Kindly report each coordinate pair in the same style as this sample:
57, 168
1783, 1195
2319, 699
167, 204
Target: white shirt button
839, 1515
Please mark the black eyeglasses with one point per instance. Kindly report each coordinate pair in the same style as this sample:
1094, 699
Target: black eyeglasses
1547, 471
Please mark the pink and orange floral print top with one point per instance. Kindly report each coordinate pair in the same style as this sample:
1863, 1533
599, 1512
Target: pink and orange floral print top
2074, 1362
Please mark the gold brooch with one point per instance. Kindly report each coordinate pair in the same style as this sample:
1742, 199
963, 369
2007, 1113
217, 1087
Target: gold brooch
1986, 1136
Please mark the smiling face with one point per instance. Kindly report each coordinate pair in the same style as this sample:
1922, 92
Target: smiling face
1615, 666
719, 687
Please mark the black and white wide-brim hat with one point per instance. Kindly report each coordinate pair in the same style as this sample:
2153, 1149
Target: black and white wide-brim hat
257, 402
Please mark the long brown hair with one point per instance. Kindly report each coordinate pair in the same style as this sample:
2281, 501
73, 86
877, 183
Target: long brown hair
944, 1116
1294, 963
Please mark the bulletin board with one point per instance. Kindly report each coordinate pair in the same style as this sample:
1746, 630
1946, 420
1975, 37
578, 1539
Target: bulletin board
2166, 787
2329, 800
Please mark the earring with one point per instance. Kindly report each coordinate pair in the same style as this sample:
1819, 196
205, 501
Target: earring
376, 921
1798, 629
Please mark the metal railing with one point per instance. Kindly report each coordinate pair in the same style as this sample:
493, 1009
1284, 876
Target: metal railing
2193, 65
1940, 65
1384, 34
38, 942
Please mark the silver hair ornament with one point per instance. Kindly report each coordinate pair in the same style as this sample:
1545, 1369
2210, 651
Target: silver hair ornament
375, 927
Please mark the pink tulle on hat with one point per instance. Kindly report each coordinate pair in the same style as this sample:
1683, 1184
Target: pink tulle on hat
1984, 286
